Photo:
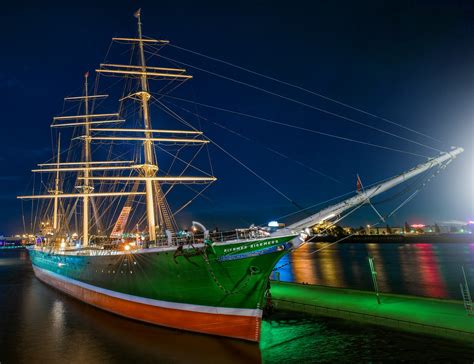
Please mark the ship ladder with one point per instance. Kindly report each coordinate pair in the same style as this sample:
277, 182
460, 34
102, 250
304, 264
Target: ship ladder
165, 215
122, 220
167, 218
466, 295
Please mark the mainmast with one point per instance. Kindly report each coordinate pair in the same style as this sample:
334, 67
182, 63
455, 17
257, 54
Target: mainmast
149, 168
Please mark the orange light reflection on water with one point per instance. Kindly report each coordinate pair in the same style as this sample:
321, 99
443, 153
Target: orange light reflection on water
326, 270
302, 264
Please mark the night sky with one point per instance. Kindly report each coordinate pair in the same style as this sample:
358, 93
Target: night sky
411, 62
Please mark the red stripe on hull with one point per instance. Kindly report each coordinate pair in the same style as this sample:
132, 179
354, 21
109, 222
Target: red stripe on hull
239, 327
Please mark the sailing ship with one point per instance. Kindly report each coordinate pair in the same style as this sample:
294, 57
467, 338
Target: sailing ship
143, 267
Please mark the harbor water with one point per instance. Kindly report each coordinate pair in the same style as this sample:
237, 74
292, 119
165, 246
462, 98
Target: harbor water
421, 269
39, 324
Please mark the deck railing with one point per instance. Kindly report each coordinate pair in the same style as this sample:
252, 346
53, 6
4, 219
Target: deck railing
106, 246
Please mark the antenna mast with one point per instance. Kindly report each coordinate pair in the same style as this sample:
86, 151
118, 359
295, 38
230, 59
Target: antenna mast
149, 168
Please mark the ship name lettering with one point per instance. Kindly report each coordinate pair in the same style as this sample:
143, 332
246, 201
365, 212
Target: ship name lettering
251, 246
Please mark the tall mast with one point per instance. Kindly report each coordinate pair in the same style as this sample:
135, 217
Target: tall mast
56, 189
149, 168
87, 158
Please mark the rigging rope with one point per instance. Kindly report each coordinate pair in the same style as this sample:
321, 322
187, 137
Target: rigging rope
297, 127
305, 104
338, 197
307, 91
262, 144
381, 219
254, 173
191, 200
200, 127
326, 229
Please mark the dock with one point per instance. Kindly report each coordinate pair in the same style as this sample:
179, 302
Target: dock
437, 317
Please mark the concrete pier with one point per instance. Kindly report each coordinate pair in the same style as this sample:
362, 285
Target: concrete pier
442, 318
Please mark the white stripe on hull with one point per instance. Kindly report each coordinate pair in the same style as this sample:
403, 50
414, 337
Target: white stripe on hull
157, 303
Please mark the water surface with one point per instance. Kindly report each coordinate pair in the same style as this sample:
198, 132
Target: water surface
41, 325
421, 269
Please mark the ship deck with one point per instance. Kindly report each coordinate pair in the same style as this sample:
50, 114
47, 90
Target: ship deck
96, 250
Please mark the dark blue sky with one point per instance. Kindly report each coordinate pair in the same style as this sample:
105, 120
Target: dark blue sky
411, 62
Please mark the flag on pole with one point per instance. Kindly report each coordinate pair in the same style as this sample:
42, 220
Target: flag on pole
359, 184
86, 74
137, 13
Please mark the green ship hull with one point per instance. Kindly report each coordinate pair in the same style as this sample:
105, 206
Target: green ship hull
209, 288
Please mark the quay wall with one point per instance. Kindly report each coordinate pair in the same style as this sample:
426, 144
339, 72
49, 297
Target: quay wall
441, 318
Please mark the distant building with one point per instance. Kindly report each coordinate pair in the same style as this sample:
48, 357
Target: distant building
383, 230
414, 229
450, 227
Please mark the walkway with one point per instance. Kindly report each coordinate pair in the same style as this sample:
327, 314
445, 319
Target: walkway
443, 318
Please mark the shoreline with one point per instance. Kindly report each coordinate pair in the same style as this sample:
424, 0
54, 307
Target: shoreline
409, 239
